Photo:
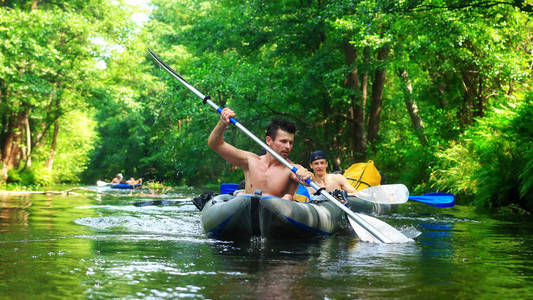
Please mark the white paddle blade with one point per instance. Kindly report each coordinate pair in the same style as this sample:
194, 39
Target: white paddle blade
102, 183
391, 233
363, 235
384, 194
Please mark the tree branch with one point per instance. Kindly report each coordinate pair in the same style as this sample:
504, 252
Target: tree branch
520, 4
304, 121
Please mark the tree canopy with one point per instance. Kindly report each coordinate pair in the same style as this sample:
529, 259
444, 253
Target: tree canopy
437, 93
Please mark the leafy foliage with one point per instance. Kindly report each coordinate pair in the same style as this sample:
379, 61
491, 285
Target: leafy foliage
492, 160
334, 67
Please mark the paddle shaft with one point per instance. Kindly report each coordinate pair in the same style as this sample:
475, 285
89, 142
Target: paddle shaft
363, 223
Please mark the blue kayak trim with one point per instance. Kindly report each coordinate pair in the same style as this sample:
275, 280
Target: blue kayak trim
124, 186
220, 228
305, 227
268, 197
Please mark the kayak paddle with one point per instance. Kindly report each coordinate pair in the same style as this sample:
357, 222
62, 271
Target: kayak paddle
436, 199
367, 228
383, 194
102, 183
398, 194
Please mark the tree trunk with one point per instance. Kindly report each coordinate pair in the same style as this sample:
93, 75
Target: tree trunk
11, 152
53, 114
469, 96
6, 154
357, 105
364, 84
479, 104
12, 135
50, 161
27, 153
510, 90
377, 95
412, 108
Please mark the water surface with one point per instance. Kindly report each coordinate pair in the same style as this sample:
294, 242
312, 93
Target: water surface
102, 246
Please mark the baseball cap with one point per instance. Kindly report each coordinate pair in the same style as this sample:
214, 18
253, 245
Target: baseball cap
317, 155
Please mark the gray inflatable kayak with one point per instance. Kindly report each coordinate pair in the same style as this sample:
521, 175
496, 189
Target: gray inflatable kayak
227, 217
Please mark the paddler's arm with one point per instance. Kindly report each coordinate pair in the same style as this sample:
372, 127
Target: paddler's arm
296, 179
344, 184
302, 174
216, 142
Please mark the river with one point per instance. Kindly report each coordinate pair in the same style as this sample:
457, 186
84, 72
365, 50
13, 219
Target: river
94, 246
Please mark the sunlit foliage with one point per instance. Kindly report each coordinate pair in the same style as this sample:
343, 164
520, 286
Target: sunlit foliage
433, 91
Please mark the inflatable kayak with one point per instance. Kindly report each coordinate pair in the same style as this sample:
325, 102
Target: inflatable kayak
125, 186
227, 217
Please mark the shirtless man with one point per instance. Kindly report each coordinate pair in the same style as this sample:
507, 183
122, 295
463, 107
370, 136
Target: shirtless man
319, 164
262, 172
134, 181
117, 179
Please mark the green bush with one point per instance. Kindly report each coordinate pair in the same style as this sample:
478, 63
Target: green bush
492, 164
28, 177
13, 176
37, 175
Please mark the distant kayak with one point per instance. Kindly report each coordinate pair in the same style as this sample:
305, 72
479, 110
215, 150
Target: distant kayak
125, 186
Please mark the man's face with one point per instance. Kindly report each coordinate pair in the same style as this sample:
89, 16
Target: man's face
282, 144
319, 166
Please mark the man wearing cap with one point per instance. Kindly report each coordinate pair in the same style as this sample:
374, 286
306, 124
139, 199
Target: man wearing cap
117, 179
319, 164
262, 172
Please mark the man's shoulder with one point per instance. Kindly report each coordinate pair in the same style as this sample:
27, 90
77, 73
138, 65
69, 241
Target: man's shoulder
336, 177
252, 156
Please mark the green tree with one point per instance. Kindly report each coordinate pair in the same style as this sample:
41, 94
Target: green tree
47, 67
396, 82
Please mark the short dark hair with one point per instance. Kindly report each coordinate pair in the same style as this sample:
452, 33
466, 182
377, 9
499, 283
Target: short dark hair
280, 123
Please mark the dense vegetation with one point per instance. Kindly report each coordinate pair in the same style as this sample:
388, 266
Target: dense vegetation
437, 93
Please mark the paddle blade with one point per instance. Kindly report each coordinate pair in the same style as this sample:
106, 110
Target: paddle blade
436, 199
384, 194
385, 229
102, 183
363, 235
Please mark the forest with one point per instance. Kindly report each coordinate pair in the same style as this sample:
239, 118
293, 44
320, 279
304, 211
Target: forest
437, 93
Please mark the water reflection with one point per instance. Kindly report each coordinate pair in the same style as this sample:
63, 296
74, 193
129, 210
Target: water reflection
437, 238
106, 247
14, 212
267, 269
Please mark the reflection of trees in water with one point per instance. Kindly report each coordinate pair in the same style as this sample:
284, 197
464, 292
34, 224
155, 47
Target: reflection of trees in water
337, 266
274, 269
14, 211
37, 251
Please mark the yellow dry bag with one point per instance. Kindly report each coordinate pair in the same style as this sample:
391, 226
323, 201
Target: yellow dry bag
363, 175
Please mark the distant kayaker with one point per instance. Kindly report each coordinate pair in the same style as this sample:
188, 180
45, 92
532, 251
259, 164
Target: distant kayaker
134, 181
319, 164
262, 172
118, 179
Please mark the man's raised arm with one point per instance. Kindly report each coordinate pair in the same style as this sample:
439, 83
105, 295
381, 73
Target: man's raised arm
216, 141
